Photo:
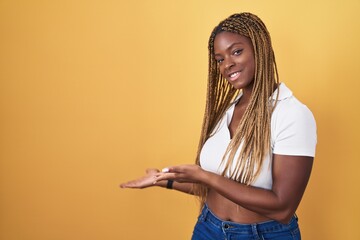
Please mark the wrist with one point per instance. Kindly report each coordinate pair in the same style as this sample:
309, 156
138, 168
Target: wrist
169, 184
162, 183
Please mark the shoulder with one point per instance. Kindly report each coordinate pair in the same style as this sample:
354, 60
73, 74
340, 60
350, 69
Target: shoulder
293, 126
289, 108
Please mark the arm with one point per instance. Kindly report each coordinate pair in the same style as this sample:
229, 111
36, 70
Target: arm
290, 177
182, 187
149, 180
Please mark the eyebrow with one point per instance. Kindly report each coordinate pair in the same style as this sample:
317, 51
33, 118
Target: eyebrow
232, 45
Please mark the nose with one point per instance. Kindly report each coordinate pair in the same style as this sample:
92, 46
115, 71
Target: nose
228, 63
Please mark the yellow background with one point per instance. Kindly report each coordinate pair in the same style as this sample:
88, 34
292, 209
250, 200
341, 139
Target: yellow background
93, 92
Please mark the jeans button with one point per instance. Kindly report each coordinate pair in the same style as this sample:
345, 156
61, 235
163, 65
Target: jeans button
226, 226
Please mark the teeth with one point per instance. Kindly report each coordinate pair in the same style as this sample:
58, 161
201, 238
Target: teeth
234, 74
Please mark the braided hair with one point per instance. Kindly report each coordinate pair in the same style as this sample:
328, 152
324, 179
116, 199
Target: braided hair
253, 131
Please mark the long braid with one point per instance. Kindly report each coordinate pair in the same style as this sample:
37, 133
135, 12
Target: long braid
253, 132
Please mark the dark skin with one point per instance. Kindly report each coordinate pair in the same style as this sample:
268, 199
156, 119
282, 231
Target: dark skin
228, 199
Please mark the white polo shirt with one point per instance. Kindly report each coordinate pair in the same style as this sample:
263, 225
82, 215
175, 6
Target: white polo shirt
293, 132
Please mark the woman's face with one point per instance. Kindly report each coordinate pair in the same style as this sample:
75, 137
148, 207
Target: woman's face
234, 54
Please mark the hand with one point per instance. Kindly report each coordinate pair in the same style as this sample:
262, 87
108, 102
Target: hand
143, 182
183, 174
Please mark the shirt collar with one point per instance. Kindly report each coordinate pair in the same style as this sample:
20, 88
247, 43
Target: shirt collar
284, 92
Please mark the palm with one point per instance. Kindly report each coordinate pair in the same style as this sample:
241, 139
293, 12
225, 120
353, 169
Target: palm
142, 182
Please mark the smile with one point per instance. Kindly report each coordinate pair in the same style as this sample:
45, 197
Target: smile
233, 76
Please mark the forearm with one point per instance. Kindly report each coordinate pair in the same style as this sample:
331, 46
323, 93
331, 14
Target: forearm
290, 175
181, 187
261, 201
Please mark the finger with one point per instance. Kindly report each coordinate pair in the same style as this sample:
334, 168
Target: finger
165, 176
127, 185
124, 185
171, 169
130, 184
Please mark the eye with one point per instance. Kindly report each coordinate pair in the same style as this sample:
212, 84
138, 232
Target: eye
220, 60
237, 52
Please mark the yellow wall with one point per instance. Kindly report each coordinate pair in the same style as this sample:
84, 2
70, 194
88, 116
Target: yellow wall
93, 92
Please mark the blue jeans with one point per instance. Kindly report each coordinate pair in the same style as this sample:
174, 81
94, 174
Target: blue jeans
210, 227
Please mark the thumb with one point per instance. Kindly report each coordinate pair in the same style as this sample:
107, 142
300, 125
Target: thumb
152, 170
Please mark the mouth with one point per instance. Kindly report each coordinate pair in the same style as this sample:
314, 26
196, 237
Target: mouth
233, 76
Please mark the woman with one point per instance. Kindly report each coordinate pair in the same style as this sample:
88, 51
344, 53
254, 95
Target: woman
257, 143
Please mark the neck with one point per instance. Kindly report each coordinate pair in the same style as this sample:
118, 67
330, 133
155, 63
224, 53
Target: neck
245, 98
246, 94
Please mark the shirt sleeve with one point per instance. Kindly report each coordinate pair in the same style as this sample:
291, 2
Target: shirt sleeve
294, 131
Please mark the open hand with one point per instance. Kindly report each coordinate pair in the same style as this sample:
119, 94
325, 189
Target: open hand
143, 182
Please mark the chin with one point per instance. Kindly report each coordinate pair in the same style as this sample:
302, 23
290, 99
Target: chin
241, 84
237, 86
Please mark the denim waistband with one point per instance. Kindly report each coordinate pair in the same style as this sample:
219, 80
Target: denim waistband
262, 227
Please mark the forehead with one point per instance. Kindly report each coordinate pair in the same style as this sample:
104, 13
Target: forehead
225, 40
